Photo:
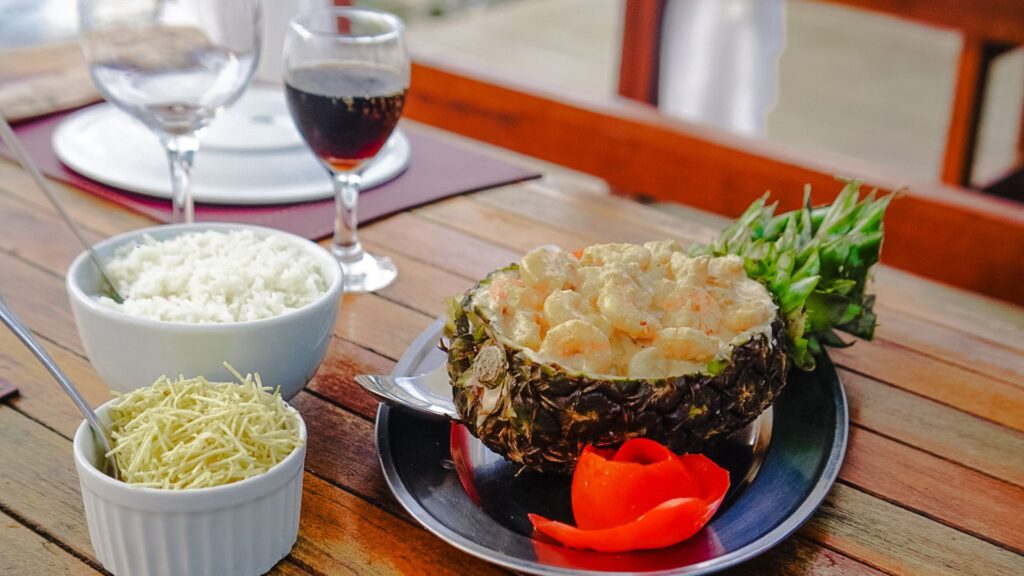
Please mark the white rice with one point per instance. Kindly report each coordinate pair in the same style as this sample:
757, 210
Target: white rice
213, 277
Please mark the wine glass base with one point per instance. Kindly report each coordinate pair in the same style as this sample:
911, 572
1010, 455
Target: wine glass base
367, 273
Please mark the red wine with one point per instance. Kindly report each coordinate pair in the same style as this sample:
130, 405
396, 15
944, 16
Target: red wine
345, 111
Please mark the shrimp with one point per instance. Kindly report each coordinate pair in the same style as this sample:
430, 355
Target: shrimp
603, 254
523, 298
686, 344
751, 307
648, 363
693, 271
524, 330
662, 250
624, 304
663, 288
624, 349
546, 270
746, 316
498, 290
508, 298
729, 267
561, 306
693, 307
580, 346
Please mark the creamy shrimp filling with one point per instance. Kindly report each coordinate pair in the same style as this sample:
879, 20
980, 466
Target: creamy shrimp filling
645, 311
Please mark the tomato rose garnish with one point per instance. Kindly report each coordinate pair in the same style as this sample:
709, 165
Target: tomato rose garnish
642, 496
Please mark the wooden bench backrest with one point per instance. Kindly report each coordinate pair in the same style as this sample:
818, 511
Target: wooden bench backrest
955, 236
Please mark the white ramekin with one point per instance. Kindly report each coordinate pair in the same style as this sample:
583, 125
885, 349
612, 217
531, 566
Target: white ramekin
239, 529
130, 353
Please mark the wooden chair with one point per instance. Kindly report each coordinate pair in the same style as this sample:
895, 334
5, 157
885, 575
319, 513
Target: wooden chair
989, 28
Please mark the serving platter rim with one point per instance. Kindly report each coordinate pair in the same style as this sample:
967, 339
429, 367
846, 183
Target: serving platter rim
409, 365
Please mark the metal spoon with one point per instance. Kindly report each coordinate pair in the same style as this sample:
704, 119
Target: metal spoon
429, 394
9, 138
101, 432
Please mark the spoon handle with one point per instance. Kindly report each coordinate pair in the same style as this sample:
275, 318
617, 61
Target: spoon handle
19, 329
429, 394
9, 138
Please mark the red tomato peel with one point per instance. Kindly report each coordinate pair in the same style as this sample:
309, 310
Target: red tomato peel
611, 491
714, 480
642, 451
642, 497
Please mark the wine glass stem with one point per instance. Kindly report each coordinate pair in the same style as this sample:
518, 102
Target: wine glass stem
346, 244
181, 150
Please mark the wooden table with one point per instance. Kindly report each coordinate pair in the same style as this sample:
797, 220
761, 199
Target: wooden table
932, 482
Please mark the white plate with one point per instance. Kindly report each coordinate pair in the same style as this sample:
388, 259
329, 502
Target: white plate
251, 155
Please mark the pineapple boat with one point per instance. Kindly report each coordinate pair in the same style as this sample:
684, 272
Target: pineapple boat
617, 341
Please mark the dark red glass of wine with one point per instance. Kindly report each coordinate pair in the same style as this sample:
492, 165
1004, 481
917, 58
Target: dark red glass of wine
346, 73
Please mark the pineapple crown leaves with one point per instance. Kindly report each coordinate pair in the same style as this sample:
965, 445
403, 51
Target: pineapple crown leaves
816, 263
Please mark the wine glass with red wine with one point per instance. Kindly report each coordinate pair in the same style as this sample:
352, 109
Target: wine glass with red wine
346, 72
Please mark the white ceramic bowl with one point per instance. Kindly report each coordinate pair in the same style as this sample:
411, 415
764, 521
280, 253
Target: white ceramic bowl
130, 352
238, 529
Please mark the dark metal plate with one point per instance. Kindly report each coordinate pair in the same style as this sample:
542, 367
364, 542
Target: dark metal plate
474, 500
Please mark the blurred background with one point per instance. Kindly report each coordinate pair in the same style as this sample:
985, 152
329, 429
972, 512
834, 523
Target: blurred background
816, 76
699, 106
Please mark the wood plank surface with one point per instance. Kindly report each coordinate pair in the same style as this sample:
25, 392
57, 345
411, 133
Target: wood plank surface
978, 394
38, 288
343, 534
797, 555
997, 359
341, 449
41, 397
42, 488
37, 296
996, 322
935, 428
895, 540
89, 211
287, 567
25, 552
936, 487
495, 261
44, 491
934, 471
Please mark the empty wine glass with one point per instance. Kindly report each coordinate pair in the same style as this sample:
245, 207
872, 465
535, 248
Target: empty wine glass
346, 72
173, 64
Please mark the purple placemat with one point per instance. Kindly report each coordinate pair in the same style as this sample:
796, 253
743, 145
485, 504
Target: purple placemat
438, 170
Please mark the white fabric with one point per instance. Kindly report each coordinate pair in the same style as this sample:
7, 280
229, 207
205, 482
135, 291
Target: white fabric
719, 61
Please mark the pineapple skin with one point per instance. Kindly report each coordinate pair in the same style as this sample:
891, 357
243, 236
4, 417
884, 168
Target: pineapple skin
541, 415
